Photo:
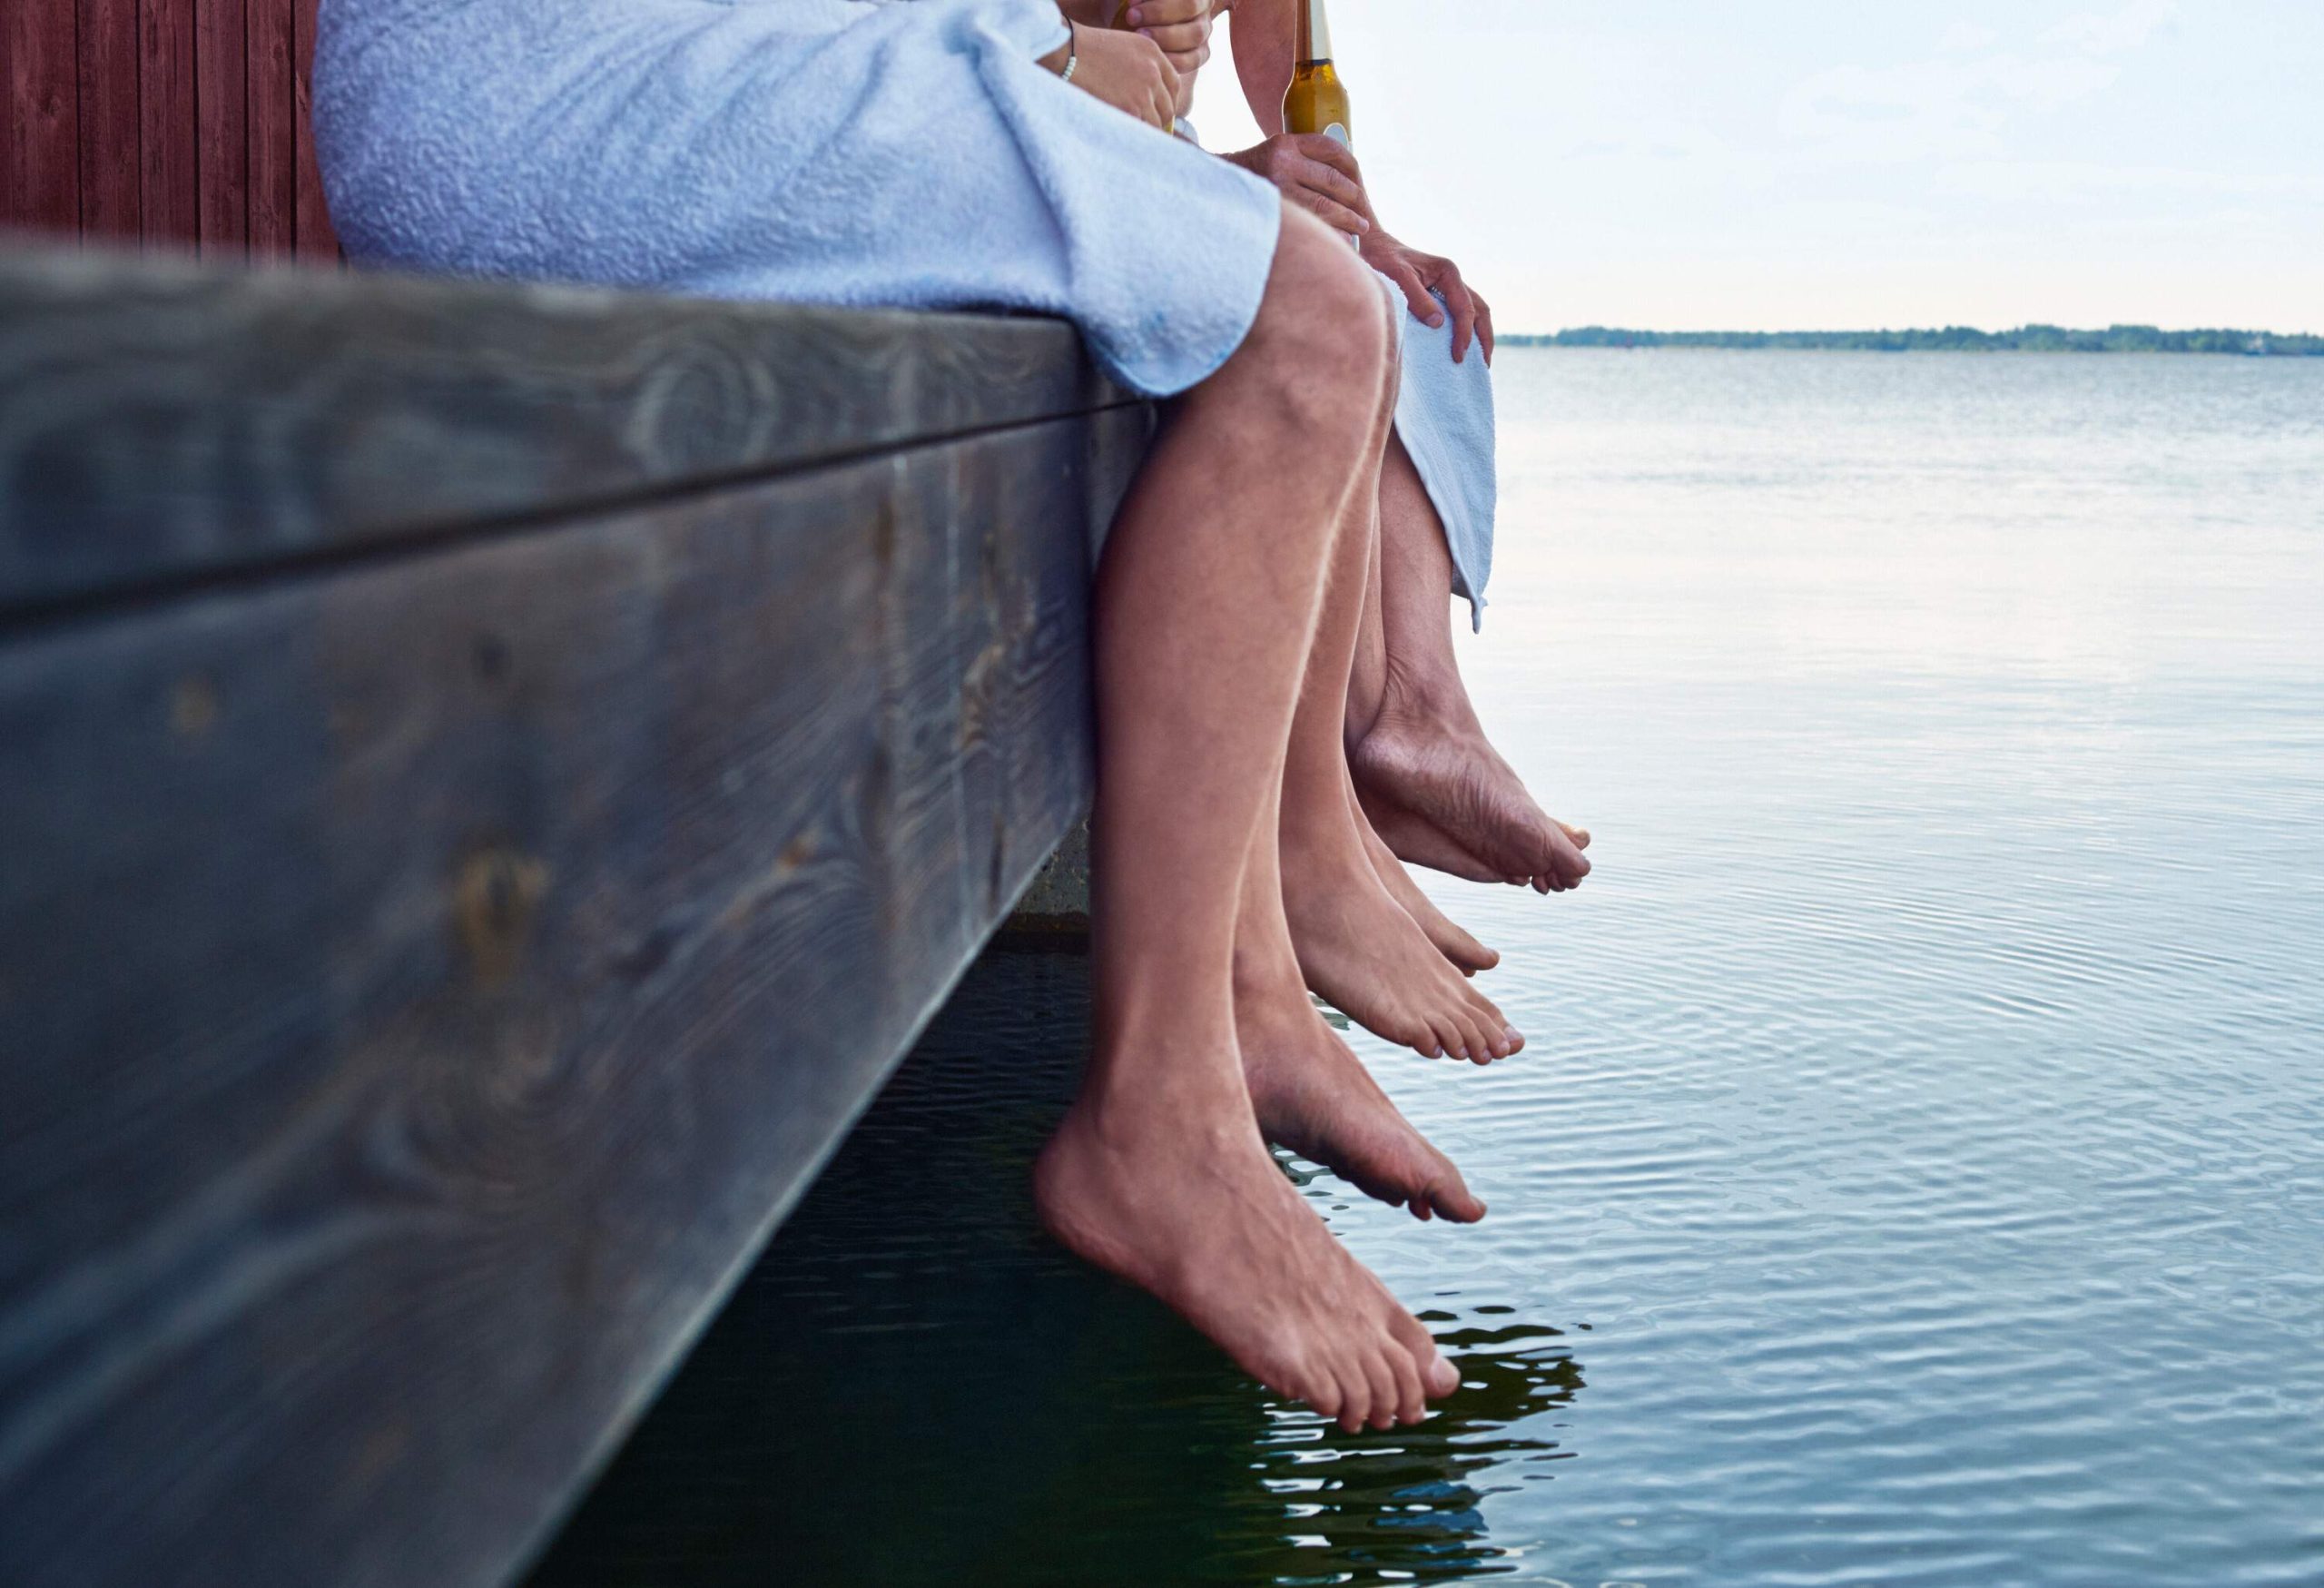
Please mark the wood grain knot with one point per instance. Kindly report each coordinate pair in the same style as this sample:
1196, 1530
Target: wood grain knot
494, 900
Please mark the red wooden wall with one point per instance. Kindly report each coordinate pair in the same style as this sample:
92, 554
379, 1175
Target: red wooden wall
176, 122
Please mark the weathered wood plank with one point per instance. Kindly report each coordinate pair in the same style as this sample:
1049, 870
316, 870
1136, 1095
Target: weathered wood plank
167, 208
222, 151
15, 109
44, 172
425, 981
160, 422
109, 126
270, 125
318, 242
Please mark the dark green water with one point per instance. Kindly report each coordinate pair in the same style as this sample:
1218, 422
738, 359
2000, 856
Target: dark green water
1917, 1173
915, 1387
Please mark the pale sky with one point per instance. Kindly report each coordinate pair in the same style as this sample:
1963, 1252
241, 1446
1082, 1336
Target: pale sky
1840, 164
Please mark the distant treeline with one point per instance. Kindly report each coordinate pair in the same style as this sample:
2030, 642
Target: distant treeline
2027, 339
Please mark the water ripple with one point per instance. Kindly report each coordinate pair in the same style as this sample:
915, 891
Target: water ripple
1914, 1177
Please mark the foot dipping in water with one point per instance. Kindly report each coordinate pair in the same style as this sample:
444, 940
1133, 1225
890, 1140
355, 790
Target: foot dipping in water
1245, 592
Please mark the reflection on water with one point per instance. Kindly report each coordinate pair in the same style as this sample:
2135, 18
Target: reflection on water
1920, 1148
1412, 1503
915, 1387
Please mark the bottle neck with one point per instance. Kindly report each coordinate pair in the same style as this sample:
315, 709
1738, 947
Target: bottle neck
1315, 41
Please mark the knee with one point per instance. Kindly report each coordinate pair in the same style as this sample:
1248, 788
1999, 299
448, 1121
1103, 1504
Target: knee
1322, 329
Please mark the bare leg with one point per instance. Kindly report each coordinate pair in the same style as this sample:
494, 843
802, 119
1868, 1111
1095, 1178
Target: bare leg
1365, 682
1357, 946
1205, 609
1435, 788
1310, 1092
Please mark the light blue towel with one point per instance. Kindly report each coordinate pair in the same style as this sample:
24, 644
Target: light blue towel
1444, 417
905, 156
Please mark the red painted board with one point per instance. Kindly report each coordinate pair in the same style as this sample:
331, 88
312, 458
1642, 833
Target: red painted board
222, 140
167, 194
11, 112
271, 131
42, 178
316, 241
108, 127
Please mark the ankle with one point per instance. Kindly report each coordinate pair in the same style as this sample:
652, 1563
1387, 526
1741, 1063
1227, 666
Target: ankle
1428, 703
1318, 859
1262, 967
1133, 1093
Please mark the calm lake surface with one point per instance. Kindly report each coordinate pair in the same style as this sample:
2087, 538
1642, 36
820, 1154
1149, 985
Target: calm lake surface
1917, 1175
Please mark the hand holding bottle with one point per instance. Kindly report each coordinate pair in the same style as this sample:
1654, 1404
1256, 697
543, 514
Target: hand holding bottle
1124, 70
1182, 28
1316, 171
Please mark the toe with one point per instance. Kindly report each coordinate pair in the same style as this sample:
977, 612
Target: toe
1450, 1042
1437, 1376
1321, 1390
1355, 1397
1387, 1397
1411, 1401
1467, 952
1420, 1035
1451, 1198
1472, 1038
1477, 1038
1573, 864
1485, 1012
1405, 1329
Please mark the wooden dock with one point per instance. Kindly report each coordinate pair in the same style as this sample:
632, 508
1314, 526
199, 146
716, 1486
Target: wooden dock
490, 781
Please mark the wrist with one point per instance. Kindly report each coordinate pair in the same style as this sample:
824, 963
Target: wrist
1063, 59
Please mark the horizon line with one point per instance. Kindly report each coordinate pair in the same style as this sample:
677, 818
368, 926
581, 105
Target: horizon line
2034, 336
2118, 327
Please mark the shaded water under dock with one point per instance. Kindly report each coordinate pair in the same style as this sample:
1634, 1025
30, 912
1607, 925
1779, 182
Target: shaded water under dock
915, 1386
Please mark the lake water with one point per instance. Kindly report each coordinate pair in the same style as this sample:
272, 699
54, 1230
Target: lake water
1917, 1175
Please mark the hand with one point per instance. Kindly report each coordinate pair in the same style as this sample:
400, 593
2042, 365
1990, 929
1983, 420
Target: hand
1127, 71
1417, 274
1182, 28
1317, 174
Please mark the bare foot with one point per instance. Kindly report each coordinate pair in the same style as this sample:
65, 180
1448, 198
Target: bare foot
1468, 955
1313, 1096
1442, 797
1186, 1204
1367, 957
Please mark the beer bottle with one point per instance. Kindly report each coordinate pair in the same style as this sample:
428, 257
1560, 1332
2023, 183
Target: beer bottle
1315, 102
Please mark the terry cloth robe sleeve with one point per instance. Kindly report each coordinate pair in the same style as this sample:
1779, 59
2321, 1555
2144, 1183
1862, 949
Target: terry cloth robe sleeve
906, 155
